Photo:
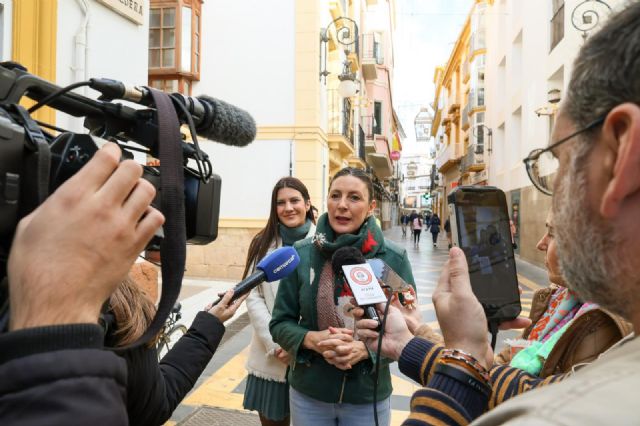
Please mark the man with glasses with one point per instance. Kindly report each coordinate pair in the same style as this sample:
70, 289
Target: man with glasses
592, 170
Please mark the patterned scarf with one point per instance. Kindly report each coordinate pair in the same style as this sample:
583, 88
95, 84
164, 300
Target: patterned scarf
563, 309
333, 292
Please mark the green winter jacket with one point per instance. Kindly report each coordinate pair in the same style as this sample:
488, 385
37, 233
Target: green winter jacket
294, 314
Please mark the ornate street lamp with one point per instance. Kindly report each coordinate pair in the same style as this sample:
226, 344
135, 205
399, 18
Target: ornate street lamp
347, 36
586, 15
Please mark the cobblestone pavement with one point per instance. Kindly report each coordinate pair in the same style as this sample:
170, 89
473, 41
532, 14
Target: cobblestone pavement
217, 396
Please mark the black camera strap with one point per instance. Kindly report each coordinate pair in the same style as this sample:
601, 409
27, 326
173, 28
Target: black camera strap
38, 146
173, 247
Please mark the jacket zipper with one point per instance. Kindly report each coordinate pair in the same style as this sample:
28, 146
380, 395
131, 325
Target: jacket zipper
344, 380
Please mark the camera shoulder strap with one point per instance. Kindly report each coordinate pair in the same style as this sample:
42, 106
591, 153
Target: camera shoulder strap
38, 146
173, 247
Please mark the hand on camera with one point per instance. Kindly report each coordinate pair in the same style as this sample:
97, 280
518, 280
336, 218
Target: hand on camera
226, 308
70, 254
396, 332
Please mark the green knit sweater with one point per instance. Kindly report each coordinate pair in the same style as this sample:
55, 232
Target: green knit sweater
294, 314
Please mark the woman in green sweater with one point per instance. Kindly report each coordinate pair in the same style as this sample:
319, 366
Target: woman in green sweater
331, 373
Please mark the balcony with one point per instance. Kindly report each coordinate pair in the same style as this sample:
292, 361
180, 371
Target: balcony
477, 41
476, 98
339, 124
449, 157
372, 55
473, 160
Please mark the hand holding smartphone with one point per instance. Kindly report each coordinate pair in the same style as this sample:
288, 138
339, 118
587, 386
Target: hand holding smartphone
480, 227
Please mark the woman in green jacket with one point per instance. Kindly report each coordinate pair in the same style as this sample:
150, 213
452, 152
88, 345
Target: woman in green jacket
331, 374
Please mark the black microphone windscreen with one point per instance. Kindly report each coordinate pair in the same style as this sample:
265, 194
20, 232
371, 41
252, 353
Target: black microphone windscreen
226, 123
346, 256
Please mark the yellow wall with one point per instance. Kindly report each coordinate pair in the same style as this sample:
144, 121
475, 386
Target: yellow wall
310, 139
35, 24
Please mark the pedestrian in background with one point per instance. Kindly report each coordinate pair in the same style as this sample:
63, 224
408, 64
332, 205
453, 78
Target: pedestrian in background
404, 220
331, 374
435, 228
290, 220
417, 229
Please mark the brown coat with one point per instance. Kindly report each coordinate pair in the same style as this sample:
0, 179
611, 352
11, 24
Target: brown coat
587, 337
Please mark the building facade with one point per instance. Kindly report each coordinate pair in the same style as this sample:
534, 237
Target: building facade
459, 106
497, 96
285, 63
530, 51
70, 41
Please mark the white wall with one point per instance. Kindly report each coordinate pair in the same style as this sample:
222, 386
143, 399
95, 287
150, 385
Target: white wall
248, 175
117, 48
5, 29
248, 59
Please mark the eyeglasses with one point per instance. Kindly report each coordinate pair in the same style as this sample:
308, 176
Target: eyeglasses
542, 165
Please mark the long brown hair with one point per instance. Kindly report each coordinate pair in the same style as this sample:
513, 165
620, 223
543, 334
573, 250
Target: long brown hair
133, 312
267, 235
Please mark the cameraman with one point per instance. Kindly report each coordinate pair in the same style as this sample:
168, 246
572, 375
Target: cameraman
67, 257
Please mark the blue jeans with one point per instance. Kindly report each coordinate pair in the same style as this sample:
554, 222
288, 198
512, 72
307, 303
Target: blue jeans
306, 411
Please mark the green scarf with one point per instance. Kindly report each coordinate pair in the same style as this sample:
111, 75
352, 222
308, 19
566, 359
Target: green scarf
291, 235
369, 239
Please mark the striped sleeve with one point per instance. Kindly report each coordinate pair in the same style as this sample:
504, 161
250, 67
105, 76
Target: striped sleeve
507, 382
418, 359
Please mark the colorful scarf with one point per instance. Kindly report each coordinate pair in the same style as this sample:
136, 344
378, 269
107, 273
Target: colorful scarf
291, 235
331, 291
563, 309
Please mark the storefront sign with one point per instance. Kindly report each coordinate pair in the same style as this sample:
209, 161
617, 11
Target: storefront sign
133, 10
395, 155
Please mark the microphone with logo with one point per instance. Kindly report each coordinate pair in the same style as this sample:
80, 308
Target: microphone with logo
273, 267
349, 264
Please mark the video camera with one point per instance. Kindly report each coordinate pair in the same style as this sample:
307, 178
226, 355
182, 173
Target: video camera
27, 176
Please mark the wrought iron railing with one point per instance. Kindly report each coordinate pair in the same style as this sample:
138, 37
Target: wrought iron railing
339, 116
473, 157
361, 142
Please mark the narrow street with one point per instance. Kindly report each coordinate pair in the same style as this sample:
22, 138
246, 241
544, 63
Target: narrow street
220, 388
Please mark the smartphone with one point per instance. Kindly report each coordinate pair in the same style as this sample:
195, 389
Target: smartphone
480, 227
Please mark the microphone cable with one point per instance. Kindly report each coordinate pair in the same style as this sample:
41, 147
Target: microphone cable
48, 99
378, 355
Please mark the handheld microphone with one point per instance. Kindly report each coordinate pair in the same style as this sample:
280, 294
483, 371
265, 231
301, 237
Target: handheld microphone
275, 266
214, 119
352, 256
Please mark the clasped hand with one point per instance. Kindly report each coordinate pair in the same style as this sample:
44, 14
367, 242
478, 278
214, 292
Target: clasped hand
337, 346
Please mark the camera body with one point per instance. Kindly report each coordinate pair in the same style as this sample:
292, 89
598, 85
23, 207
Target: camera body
28, 175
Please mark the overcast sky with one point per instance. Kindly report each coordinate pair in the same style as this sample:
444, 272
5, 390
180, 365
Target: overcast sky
425, 34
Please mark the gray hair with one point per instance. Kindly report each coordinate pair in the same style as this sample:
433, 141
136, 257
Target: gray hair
606, 72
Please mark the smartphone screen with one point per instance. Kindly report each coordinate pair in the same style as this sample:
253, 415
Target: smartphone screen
480, 227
